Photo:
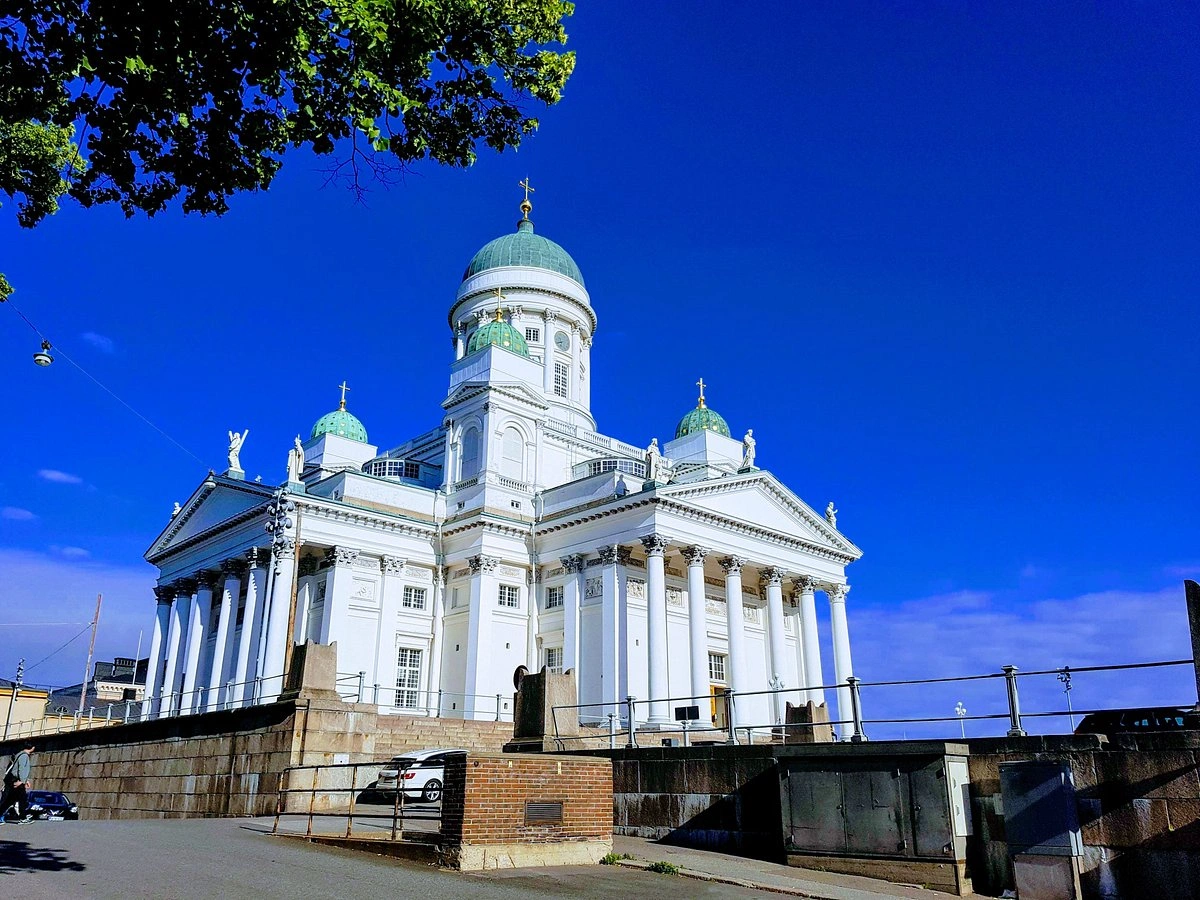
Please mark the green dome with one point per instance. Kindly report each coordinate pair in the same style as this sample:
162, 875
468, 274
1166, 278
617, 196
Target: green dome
498, 334
701, 419
341, 423
524, 248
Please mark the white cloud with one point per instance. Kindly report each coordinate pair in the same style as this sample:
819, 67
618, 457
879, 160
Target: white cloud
71, 552
58, 477
976, 632
16, 514
99, 341
40, 587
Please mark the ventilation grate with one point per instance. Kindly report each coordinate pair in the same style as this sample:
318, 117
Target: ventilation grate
543, 812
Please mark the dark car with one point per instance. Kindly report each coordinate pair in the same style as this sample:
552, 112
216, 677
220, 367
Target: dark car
51, 805
1123, 721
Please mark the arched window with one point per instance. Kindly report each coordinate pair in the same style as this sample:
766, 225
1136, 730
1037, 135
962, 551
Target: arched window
512, 454
470, 454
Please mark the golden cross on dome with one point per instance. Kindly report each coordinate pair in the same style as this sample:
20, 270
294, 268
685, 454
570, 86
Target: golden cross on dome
499, 313
701, 383
344, 389
526, 206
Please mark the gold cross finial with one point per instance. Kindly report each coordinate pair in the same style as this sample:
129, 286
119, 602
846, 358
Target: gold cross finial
344, 389
499, 313
526, 206
701, 383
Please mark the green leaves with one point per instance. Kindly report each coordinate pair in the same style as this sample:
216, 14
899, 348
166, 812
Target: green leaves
197, 101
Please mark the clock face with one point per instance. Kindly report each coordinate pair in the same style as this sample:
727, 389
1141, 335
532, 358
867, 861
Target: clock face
562, 341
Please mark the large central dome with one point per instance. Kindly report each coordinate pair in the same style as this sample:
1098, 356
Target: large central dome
524, 248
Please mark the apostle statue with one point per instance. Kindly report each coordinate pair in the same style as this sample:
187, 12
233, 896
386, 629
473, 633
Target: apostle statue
296, 461
831, 515
235, 447
653, 460
177, 510
748, 451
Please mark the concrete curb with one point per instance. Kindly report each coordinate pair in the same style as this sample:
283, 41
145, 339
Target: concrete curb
735, 882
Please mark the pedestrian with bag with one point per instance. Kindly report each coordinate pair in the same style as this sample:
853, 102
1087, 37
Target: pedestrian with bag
16, 786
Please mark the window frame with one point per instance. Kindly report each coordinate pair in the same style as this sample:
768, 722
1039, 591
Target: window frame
515, 596
718, 670
556, 590
410, 687
409, 597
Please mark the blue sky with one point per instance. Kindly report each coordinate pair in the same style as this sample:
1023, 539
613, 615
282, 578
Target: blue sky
941, 258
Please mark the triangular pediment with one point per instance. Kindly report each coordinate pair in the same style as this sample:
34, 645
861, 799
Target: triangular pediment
761, 501
514, 390
224, 500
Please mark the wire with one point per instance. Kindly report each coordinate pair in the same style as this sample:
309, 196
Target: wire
63, 353
60, 649
38, 624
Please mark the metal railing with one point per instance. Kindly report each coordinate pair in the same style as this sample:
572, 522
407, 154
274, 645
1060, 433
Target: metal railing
353, 687
622, 722
347, 796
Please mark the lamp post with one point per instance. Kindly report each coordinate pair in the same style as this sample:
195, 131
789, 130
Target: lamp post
12, 696
1064, 675
961, 712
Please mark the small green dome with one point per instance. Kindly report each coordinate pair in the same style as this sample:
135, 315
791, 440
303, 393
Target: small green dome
702, 419
524, 248
498, 334
341, 423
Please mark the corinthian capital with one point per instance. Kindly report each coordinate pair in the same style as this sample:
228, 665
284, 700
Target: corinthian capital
341, 556
837, 592
574, 563
164, 593
391, 565
184, 587
772, 575
694, 555
732, 564
206, 580
485, 564
806, 584
655, 544
233, 568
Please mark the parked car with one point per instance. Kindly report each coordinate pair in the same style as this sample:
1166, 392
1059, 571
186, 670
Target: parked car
1159, 718
52, 805
418, 775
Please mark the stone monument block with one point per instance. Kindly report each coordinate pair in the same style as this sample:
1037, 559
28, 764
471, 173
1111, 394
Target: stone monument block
313, 673
817, 716
534, 722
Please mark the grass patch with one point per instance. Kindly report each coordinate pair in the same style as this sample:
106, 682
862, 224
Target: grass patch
663, 868
611, 859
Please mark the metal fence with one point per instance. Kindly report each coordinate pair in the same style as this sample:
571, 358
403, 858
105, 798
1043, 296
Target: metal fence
623, 723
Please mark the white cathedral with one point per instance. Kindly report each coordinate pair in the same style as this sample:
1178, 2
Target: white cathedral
511, 533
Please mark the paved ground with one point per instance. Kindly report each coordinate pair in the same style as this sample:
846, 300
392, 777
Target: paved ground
181, 859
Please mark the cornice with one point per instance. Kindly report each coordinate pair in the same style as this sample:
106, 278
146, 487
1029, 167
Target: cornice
469, 390
586, 311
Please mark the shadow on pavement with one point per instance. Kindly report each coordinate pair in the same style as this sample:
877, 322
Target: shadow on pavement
18, 856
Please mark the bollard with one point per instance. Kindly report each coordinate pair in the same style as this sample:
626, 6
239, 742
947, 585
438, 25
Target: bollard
686, 741
1014, 704
612, 731
629, 702
376, 700
730, 719
228, 693
858, 736
108, 713
362, 680
439, 706
497, 707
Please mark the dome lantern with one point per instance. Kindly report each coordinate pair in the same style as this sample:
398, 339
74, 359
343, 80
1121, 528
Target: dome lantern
702, 419
341, 422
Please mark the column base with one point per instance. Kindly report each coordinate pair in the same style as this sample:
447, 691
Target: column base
236, 474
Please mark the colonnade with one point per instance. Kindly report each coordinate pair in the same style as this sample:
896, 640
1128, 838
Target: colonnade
613, 561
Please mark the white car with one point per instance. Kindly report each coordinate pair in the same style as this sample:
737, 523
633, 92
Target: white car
418, 775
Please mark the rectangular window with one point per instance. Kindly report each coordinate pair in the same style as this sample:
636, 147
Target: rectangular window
408, 677
412, 469
414, 598
510, 595
554, 659
561, 379
554, 597
716, 667
533, 335
454, 599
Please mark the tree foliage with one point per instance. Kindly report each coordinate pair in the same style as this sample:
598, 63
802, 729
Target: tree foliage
139, 102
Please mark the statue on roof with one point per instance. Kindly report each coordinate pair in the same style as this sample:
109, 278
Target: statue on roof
831, 515
235, 447
295, 463
748, 449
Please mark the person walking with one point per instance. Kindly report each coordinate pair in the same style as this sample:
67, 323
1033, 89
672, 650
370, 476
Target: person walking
16, 786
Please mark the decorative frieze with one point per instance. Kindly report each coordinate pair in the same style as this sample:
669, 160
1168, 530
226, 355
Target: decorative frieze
417, 573
635, 589
593, 588
363, 591
752, 614
674, 597
508, 571
714, 606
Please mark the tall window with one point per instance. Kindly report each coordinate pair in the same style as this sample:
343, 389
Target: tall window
554, 597
554, 659
512, 454
408, 677
510, 595
470, 453
414, 598
562, 374
716, 667
533, 335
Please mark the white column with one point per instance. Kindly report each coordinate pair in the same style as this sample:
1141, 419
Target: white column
304, 595
438, 611
572, 598
283, 564
539, 427
775, 635
448, 457
172, 680
612, 559
792, 611
199, 618
573, 381
232, 570
548, 352
697, 624
338, 588
537, 596
586, 362
460, 344
842, 666
735, 621
383, 671
244, 669
480, 702
806, 584
152, 704
656, 627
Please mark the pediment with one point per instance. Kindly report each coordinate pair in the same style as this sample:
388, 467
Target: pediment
207, 508
761, 501
516, 390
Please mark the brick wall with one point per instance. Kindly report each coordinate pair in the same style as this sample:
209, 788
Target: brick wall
484, 809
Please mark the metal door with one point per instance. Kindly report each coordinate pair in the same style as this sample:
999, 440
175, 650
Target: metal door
874, 812
815, 811
931, 811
